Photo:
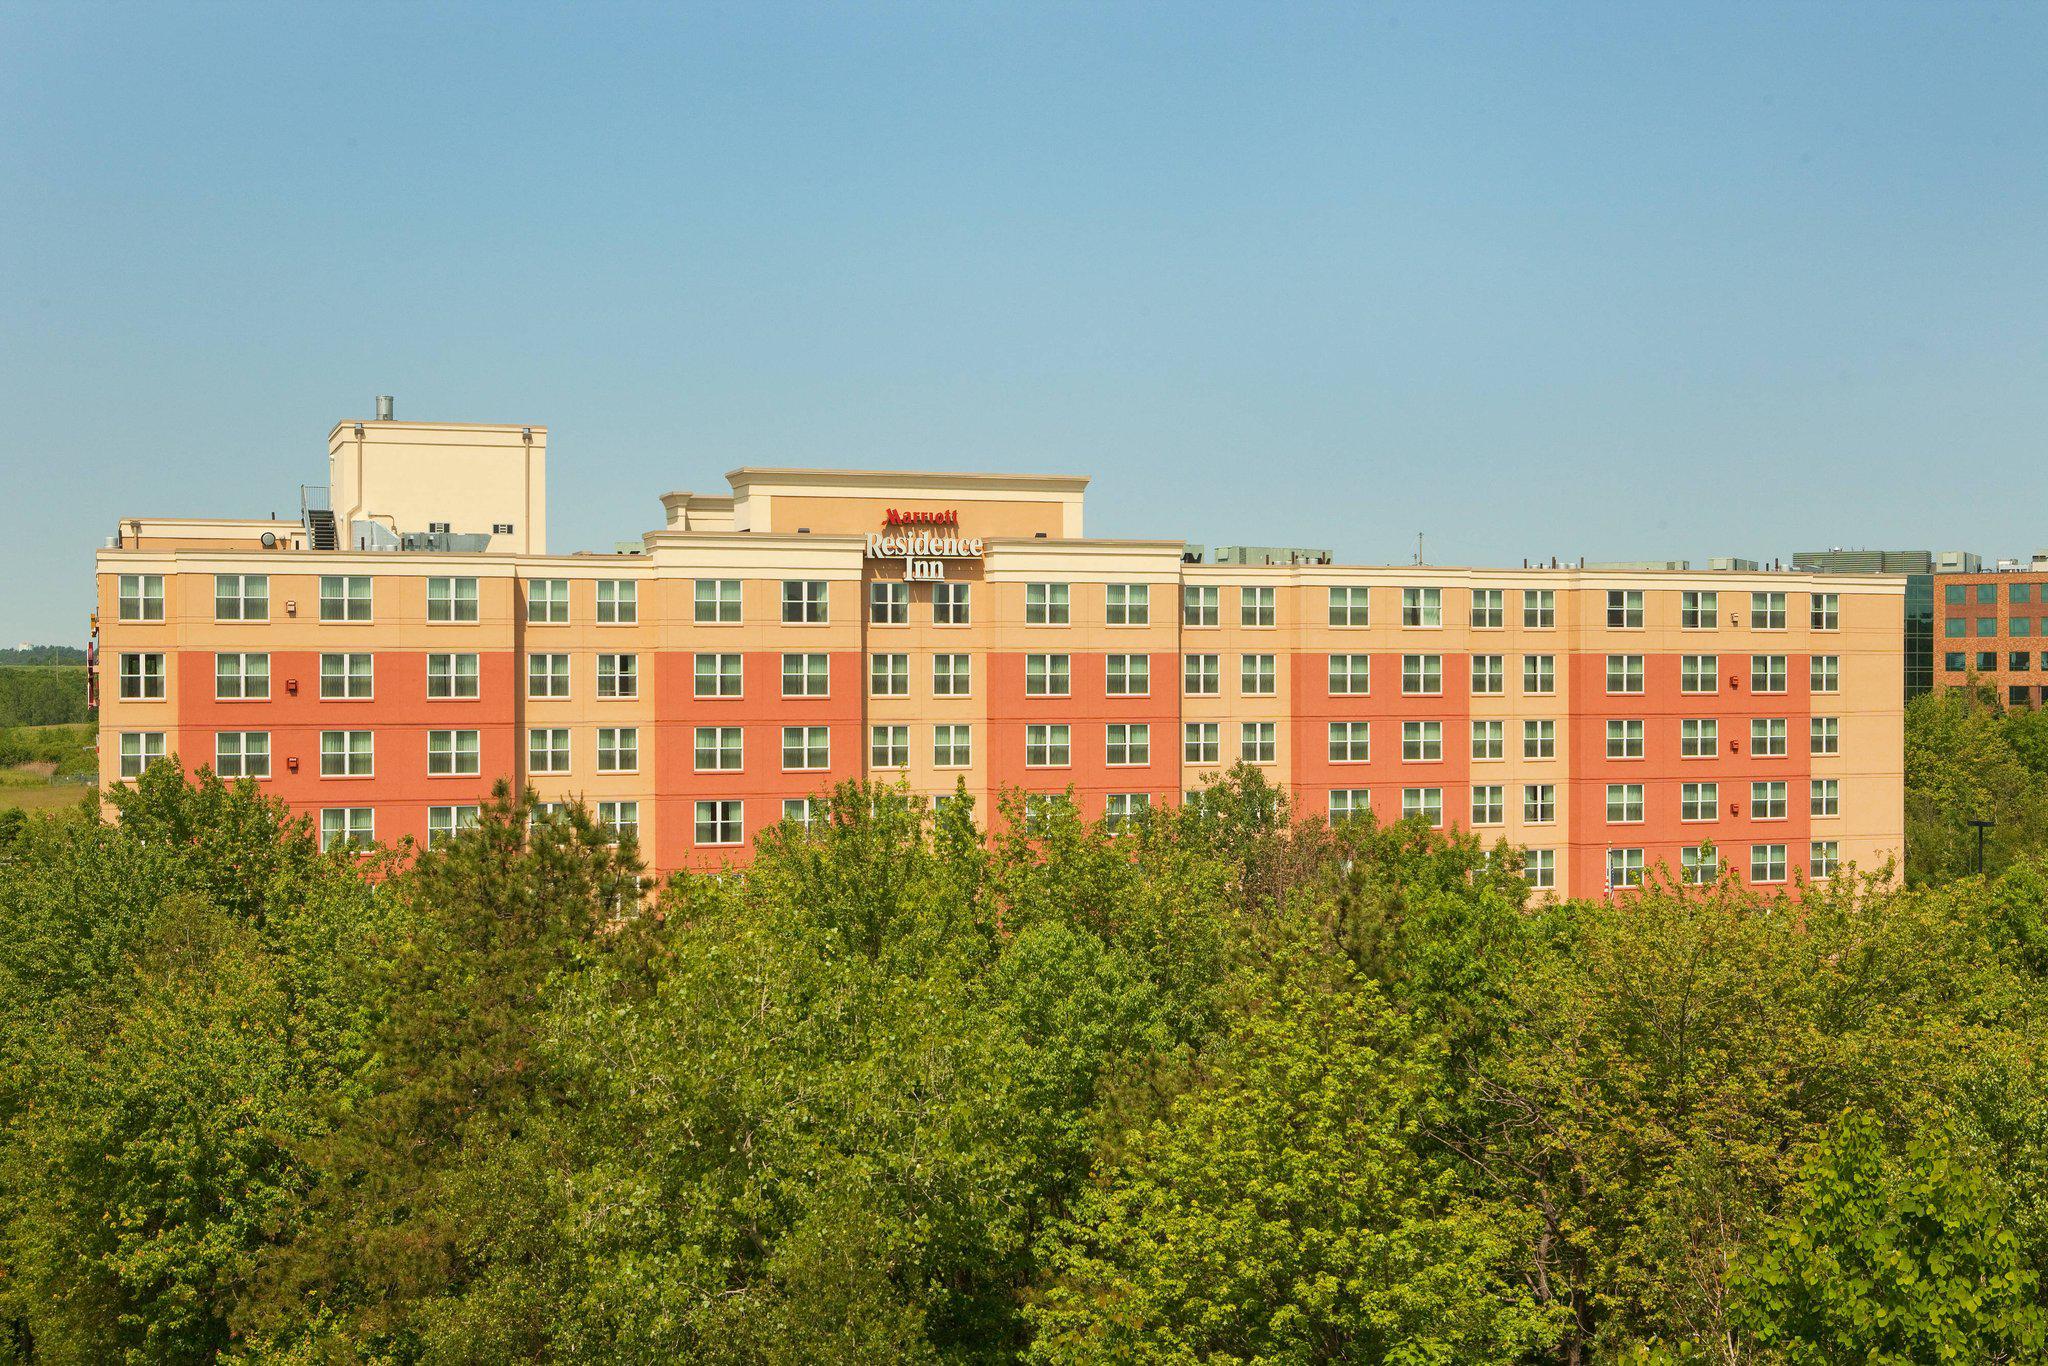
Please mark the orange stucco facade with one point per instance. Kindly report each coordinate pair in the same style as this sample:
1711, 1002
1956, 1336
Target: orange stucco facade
753, 652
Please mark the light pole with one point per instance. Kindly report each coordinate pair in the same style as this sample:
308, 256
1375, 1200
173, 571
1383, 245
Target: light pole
1982, 826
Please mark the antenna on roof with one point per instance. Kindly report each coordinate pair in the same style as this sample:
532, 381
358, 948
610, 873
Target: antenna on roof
1418, 547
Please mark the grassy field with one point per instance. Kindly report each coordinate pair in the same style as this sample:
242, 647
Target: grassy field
35, 753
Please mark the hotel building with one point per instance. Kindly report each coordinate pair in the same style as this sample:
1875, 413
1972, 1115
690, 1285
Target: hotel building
380, 662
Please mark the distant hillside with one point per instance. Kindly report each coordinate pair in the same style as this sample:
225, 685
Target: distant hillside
42, 694
43, 654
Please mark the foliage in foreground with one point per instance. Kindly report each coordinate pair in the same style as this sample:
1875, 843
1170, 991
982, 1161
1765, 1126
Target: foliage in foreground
1219, 1087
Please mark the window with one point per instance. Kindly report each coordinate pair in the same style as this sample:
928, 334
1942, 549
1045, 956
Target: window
952, 746
346, 677
1624, 739
1699, 864
1699, 611
1348, 803
1198, 605
888, 604
1824, 859
1825, 673
1422, 607
1046, 604
889, 675
347, 753
1539, 803
1489, 674
1489, 805
1539, 674
1128, 604
547, 750
1826, 611
1987, 593
1539, 868
618, 749
1256, 675
717, 602
952, 675
1047, 747
455, 675
1954, 627
445, 822
2018, 660
1539, 739
1767, 738
140, 749
347, 827
1257, 742
949, 604
1624, 868
1699, 801
1487, 613
547, 601
1128, 676
1422, 741
719, 675
1122, 807
1953, 661
547, 675
1047, 675
1767, 801
1350, 675
241, 677
1699, 738
803, 811
344, 597
1767, 611
1422, 675
1539, 609
1766, 863
1489, 740
1952, 593
2019, 696
1350, 742
806, 675
618, 675
451, 599
1624, 803
1624, 608
241, 597
1624, 673
1202, 675
618, 602
1824, 797
1350, 607
719, 749
1041, 809
453, 753
1699, 673
142, 677
622, 819
1767, 673
1987, 661
2020, 592
1129, 744
720, 822
141, 597
1824, 735
1255, 607
803, 602
1425, 804
237, 754
1987, 626
1201, 743
806, 747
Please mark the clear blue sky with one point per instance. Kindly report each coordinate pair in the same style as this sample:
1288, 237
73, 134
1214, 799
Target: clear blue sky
1623, 280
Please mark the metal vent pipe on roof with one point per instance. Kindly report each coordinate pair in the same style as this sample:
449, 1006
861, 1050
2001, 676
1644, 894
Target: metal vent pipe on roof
384, 407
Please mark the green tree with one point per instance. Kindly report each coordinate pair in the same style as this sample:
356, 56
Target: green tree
1890, 1260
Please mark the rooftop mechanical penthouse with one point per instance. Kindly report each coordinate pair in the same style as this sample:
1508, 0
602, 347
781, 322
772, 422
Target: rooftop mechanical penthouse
380, 662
